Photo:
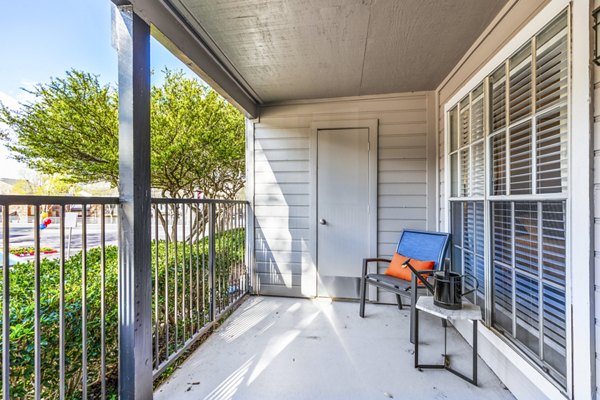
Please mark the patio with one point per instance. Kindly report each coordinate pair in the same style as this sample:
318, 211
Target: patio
275, 347
364, 119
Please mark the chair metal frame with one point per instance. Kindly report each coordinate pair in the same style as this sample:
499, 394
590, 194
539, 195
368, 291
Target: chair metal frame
398, 286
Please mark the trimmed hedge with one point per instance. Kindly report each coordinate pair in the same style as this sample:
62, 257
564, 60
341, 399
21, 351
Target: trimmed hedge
230, 247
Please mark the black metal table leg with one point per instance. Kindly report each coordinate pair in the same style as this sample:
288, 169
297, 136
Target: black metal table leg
416, 337
446, 363
475, 352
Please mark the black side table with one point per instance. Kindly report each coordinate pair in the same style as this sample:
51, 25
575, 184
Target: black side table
468, 312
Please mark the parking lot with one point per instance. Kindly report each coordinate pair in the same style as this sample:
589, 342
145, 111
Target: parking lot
23, 235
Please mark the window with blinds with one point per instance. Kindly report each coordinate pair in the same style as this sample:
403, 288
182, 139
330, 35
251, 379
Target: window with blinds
467, 127
508, 172
468, 245
528, 285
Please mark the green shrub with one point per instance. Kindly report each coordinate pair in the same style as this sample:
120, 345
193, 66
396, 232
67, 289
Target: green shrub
230, 255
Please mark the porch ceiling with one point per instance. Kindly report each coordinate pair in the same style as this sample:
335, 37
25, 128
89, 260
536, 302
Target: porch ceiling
257, 52
303, 49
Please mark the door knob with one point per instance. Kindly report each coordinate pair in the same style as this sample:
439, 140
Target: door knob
322, 221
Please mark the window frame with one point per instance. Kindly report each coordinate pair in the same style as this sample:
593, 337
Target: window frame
488, 198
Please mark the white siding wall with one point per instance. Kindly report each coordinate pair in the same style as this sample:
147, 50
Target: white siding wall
282, 187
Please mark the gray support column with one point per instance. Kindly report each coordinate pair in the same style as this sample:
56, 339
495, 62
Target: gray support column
131, 38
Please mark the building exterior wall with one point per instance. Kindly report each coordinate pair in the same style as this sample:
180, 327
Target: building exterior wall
281, 181
516, 21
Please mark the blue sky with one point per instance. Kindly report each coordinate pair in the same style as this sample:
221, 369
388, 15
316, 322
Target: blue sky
40, 39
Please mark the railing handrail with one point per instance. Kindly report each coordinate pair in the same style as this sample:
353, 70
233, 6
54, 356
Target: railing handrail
169, 200
31, 200
34, 200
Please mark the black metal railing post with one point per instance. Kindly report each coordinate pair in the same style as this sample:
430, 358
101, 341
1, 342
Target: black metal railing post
5, 303
211, 259
37, 304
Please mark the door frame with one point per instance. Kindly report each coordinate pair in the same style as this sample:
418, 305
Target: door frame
372, 125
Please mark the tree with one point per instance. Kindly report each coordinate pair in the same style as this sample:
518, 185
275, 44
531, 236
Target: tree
45, 185
197, 140
71, 128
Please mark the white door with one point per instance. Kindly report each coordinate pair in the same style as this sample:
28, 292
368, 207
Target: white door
343, 209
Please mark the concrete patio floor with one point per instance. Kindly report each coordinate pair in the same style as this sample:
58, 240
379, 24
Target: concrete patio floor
283, 348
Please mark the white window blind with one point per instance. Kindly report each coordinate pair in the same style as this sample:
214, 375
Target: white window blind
498, 155
527, 312
502, 285
520, 159
453, 128
551, 95
478, 169
468, 245
529, 278
519, 94
464, 124
498, 99
477, 119
467, 126
551, 65
454, 175
526, 237
465, 171
553, 262
551, 153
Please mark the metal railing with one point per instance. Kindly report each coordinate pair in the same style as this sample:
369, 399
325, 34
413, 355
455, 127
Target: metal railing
59, 299
199, 270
